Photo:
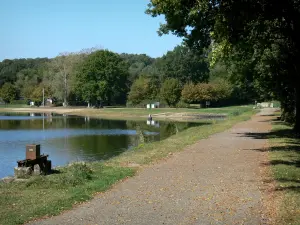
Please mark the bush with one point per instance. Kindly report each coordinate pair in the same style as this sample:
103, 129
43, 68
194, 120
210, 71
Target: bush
75, 174
182, 104
171, 91
143, 88
202, 92
8, 92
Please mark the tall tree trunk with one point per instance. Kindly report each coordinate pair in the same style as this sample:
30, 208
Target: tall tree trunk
297, 124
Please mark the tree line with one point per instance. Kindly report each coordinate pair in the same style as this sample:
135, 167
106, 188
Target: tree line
235, 51
96, 77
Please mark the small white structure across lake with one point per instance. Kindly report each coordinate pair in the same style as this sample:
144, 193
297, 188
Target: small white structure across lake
153, 105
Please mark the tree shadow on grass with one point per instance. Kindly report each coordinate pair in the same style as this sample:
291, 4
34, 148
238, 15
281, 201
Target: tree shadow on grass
287, 161
283, 133
287, 176
293, 188
287, 148
284, 180
283, 162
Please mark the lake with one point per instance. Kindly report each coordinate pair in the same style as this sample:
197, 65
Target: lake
72, 138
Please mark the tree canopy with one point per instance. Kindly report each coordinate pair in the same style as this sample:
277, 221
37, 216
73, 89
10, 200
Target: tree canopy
8, 92
257, 39
102, 77
171, 91
143, 88
184, 65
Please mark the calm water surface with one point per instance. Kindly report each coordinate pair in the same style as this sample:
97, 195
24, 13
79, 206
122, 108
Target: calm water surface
71, 138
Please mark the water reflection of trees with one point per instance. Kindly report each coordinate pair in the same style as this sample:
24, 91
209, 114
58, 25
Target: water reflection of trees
95, 147
60, 122
165, 129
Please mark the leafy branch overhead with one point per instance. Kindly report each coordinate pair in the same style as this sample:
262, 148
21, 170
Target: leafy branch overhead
258, 41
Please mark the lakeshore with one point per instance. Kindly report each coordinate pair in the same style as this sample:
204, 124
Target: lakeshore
136, 113
69, 186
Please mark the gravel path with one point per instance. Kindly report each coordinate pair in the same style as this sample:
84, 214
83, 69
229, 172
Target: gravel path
215, 181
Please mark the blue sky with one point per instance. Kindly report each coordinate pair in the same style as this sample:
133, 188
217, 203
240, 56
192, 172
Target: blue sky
40, 28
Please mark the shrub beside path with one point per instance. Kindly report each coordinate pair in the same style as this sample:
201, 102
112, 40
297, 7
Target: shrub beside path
215, 181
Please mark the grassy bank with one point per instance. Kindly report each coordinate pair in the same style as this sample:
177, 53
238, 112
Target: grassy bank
3, 106
49, 195
131, 113
285, 161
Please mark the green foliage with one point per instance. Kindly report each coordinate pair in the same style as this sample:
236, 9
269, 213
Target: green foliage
218, 71
10, 70
182, 104
143, 88
138, 64
201, 92
77, 78
60, 75
102, 77
8, 92
184, 65
188, 93
258, 40
36, 93
171, 91
221, 90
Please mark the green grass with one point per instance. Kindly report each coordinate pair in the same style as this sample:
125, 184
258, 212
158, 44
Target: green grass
285, 160
13, 106
144, 111
140, 113
49, 195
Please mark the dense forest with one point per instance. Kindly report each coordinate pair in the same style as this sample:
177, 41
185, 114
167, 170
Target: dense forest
96, 77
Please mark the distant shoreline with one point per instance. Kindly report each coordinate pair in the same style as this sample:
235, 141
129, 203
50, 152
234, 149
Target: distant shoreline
124, 113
